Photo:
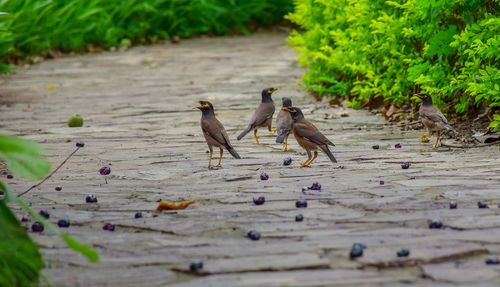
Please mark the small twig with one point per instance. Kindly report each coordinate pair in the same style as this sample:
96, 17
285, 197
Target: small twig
51, 174
469, 146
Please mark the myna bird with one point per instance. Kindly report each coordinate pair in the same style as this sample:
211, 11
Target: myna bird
432, 118
214, 132
263, 116
309, 137
284, 123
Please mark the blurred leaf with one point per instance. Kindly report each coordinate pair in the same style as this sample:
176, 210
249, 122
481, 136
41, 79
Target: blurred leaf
23, 157
81, 248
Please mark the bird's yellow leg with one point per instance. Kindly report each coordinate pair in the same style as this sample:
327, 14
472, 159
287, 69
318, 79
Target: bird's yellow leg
256, 136
304, 164
273, 131
210, 159
437, 139
220, 158
285, 144
312, 159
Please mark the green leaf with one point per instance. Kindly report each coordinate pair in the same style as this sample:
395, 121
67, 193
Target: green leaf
23, 157
20, 260
81, 248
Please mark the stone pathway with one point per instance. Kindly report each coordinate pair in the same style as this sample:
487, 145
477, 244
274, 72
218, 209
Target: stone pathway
138, 106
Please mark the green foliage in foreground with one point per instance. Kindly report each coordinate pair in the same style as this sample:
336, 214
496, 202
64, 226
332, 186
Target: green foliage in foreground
362, 49
20, 259
35, 26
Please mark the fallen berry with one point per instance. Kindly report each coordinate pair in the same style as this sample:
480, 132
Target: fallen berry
405, 165
196, 265
10, 176
453, 205
482, 204
254, 235
375, 146
108, 227
435, 224
301, 203
315, 186
58, 188
259, 200
105, 170
44, 213
25, 218
80, 144
138, 214
264, 176
37, 227
381, 182
357, 250
299, 217
91, 198
403, 252
63, 223
75, 121
492, 260
287, 161
398, 145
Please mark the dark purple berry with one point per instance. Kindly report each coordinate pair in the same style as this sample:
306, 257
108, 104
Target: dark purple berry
254, 235
375, 146
10, 176
25, 218
91, 198
398, 145
108, 227
264, 176
63, 223
405, 165
381, 182
196, 265
259, 200
436, 224
482, 204
357, 250
492, 260
315, 186
453, 205
301, 203
58, 188
299, 217
80, 144
105, 170
287, 161
44, 213
138, 214
37, 227
403, 252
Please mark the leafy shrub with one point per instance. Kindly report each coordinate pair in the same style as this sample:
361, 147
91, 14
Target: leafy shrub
35, 26
362, 49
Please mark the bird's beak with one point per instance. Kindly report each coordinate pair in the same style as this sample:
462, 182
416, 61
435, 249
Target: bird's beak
416, 97
272, 90
288, 109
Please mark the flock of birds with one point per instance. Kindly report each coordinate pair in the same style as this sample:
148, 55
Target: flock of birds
290, 119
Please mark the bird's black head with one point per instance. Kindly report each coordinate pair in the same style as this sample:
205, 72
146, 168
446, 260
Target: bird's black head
295, 112
206, 108
287, 102
426, 98
266, 94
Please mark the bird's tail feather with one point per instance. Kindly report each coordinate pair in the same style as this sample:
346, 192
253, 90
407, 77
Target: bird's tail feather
281, 138
245, 132
449, 127
231, 150
328, 153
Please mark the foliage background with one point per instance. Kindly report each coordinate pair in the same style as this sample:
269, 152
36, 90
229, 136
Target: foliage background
37, 26
363, 49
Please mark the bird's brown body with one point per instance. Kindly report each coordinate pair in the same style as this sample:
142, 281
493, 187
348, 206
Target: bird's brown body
284, 124
214, 133
309, 137
432, 118
263, 115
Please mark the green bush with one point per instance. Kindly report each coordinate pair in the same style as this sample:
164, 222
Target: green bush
35, 26
363, 49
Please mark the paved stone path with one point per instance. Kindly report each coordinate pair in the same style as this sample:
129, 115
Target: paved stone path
138, 106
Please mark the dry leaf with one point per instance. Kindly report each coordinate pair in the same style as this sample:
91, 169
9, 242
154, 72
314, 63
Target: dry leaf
172, 205
424, 138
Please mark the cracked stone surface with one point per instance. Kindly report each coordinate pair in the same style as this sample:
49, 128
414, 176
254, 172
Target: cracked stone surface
139, 117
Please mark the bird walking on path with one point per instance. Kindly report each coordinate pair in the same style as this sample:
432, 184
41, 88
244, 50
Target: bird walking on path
309, 137
263, 116
432, 118
214, 133
284, 123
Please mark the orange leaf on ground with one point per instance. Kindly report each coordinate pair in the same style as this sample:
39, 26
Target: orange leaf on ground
172, 205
